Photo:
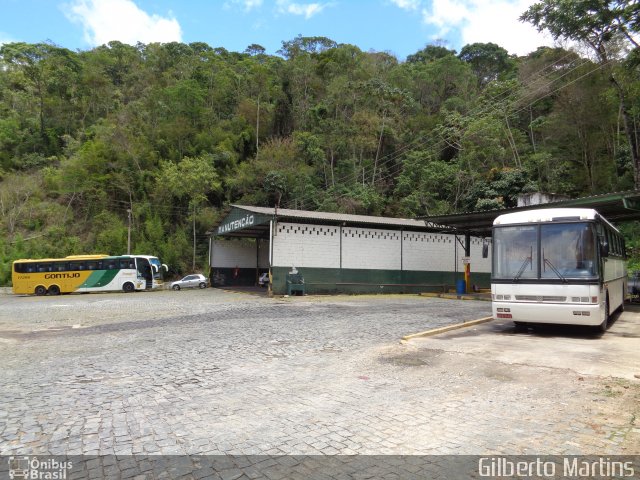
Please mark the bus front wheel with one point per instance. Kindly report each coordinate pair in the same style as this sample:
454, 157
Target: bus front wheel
128, 287
605, 323
40, 290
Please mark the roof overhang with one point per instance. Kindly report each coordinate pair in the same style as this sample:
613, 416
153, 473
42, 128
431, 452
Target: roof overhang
253, 222
616, 207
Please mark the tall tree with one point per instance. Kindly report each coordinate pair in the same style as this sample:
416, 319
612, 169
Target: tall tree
600, 25
488, 61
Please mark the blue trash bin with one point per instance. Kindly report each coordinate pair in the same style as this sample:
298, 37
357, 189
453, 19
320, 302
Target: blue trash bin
461, 287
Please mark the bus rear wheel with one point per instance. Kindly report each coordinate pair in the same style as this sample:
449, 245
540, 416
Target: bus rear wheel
54, 290
128, 287
40, 290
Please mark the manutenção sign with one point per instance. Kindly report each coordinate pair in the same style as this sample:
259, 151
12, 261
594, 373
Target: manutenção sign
233, 225
237, 219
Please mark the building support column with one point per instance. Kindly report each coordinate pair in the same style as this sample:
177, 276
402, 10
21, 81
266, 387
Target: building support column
467, 266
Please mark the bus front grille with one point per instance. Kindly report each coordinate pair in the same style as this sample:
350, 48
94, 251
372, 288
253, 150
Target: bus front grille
541, 298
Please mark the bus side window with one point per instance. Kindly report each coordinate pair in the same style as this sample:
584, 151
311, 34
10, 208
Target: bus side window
620, 250
44, 267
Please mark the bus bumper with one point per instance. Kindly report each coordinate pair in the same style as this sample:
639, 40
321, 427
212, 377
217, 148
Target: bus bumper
569, 314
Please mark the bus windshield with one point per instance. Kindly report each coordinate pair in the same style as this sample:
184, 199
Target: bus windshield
568, 250
546, 251
157, 267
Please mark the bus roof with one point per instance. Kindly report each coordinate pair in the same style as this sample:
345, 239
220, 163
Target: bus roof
544, 215
98, 256
70, 257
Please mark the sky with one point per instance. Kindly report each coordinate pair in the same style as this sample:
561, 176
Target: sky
400, 27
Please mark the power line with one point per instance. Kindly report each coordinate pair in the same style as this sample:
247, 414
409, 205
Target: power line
482, 109
493, 110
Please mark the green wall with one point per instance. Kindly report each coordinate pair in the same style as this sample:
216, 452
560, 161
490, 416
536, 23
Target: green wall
335, 280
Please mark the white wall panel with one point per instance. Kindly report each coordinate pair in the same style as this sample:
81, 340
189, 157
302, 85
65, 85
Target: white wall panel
263, 260
303, 245
229, 253
428, 251
368, 248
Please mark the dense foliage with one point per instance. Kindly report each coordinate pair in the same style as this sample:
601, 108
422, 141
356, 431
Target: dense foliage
175, 132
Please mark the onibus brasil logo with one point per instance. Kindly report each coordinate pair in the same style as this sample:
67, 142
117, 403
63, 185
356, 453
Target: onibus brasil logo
36, 469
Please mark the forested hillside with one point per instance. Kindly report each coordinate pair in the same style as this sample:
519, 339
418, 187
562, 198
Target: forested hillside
174, 132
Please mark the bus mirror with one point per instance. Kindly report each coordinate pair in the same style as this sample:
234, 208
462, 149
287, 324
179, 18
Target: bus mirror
485, 249
155, 268
164, 265
604, 248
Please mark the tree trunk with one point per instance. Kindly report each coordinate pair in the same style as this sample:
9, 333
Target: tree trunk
258, 128
375, 163
629, 131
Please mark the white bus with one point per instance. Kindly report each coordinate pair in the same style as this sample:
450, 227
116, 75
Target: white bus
86, 273
557, 265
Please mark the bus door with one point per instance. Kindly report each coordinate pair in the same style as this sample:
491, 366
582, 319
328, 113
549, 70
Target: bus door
144, 271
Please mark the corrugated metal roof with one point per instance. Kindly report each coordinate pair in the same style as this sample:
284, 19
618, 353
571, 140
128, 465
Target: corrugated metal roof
285, 213
615, 207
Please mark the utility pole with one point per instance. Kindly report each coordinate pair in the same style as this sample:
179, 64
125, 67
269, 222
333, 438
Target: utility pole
193, 265
129, 232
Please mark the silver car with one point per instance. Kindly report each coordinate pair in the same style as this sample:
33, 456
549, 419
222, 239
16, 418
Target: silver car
195, 280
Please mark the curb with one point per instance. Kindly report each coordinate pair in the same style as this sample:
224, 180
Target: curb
454, 296
437, 331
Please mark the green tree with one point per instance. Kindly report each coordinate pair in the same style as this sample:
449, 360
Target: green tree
488, 61
192, 179
599, 25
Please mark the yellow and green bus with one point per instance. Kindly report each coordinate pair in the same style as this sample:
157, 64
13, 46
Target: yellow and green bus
87, 273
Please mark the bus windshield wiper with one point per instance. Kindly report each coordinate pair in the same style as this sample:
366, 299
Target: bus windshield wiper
527, 260
546, 261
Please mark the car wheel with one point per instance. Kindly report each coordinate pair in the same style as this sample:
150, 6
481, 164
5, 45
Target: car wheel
128, 287
176, 287
203, 285
54, 290
40, 290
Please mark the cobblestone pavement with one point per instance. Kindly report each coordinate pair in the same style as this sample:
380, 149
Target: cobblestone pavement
210, 372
